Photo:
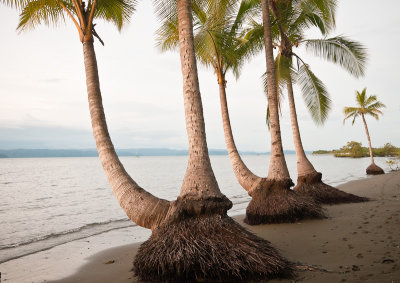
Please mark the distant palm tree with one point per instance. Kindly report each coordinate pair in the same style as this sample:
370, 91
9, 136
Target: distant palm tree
198, 218
219, 43
293, 18
368, 105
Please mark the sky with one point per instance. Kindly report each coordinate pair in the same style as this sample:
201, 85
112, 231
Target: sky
43, 100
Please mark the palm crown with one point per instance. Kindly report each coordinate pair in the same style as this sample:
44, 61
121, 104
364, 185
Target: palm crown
293, 18
218, 33
368, 105
52, 12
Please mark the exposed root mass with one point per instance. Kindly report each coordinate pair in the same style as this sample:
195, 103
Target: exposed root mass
374, 169
208, 248
312, 186
275, 202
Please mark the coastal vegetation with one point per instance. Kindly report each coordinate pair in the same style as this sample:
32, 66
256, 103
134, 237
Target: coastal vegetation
355, 149
366, 106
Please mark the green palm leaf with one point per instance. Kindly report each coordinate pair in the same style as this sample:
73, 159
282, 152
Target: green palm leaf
349, 54
48, 12
314, 93
368, 105
115, 11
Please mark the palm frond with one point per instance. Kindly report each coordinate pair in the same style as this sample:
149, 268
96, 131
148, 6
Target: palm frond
165, 9
116, 11
325, 10
168, 34
350, 110
350, 114
268, 118
314, 93
360, 97
19, 4
371, 99
349, 54
48, 12
369, 105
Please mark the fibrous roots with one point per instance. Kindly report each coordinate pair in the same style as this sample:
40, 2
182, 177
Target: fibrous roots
312, 185
275, 202
208, 248
374, 169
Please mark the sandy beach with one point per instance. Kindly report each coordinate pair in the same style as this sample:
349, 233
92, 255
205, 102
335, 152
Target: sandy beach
356, 243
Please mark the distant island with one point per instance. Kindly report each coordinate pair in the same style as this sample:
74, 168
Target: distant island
40, 153
355, 149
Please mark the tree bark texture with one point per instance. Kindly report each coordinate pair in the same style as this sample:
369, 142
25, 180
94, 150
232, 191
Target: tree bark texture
277, 169
140, 206
244, 176
199, 181
304, 166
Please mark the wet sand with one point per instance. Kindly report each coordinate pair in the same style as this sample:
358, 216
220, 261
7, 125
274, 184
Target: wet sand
357, 243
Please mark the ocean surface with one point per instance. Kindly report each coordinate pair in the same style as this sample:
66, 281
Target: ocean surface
46, 202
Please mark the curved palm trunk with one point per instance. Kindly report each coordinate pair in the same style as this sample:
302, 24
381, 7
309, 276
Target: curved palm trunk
141, 207
244, 176
372, 169
199, 242
277, 168
369, 139
304, 166
309, 181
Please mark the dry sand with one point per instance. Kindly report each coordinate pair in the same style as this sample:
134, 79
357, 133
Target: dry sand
357, 243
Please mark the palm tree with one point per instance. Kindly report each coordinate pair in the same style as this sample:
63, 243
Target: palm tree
293, 18
219, 43
273, 193
368, 105
194, 233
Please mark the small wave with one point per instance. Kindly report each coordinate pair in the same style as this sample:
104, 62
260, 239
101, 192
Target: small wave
19, 249
43, 198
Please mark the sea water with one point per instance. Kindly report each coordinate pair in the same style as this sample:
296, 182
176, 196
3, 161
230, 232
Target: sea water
46, 202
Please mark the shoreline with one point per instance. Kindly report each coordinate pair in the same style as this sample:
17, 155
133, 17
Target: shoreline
356, 243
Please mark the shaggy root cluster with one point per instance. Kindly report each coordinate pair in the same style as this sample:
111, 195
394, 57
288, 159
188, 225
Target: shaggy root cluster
208, 248
374, 169
275, 202
312, 186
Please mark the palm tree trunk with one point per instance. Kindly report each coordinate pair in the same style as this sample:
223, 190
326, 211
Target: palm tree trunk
304, 166
369, 139
199, 181
202, 243
244, 176
277, 168
140, 206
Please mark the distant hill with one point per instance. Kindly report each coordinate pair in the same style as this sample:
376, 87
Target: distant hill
38, 153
